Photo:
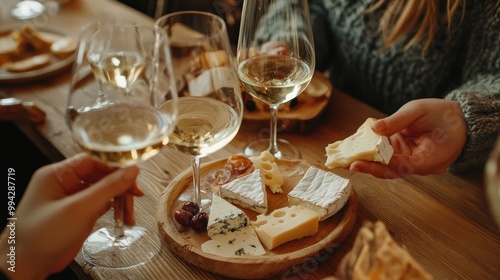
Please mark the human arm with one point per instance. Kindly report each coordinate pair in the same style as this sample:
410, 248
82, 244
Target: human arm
58, 211
479, 94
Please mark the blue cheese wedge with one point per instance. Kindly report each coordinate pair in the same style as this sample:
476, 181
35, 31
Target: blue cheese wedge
364, 144
241, 242
248, 192
321, 191
224, 217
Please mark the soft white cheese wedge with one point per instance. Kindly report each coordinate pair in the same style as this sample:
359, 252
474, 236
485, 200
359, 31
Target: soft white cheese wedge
248, 192
224, 217
321, 191
364, 144
241, 242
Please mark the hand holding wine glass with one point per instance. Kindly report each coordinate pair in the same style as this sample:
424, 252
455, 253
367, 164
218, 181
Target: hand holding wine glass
275, 61
210, 101
121, 77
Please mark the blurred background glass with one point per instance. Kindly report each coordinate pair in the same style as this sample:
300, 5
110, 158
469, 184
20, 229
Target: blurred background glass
493, 181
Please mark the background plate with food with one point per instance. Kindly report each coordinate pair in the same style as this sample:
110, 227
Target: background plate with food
302, 114
29, 53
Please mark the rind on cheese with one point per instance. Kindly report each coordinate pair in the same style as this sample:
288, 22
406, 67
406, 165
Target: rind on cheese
248, 192
362, 145
241, 242
321, 191
224, 217
285, 224
271, 174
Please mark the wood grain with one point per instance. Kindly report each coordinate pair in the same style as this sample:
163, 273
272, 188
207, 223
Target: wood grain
186, 243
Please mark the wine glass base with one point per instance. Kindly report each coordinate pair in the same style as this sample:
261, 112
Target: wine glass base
136, 247
27, 10
285, 149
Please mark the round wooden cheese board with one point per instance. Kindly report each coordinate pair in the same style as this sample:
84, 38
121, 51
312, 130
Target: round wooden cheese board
186, 243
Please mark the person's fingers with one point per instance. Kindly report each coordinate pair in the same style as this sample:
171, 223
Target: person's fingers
398, 121
77, 172
116, 183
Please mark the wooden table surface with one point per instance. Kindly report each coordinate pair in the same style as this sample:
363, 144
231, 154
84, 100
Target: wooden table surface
443, 220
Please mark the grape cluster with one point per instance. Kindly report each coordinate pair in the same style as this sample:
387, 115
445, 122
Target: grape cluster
190, 215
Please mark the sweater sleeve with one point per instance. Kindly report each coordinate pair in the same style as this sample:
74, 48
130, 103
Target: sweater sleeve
479, 93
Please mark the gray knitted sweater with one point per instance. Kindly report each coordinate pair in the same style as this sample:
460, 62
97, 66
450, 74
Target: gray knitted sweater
462, 66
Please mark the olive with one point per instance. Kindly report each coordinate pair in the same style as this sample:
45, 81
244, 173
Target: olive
250, 105
183, 217
191, 207
200, 221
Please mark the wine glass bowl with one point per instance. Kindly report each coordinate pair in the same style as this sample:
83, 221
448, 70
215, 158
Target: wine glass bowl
210, 101
121, 77
276, 60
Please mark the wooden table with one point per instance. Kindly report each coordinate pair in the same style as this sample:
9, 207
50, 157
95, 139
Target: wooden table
443, 220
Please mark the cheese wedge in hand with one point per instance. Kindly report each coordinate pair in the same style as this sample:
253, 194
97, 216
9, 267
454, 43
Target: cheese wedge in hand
364, 144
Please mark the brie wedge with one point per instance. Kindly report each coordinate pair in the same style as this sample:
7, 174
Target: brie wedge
248, 192
364, 144
321, 191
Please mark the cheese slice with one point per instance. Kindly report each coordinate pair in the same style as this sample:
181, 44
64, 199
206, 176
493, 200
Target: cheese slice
269, 169
248, 192
224, 217
241, 242
321, 191
285, 224
364, 144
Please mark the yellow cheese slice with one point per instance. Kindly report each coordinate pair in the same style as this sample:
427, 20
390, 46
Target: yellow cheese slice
285, 224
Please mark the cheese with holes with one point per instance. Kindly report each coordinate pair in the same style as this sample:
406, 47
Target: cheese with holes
224, 217
285, 224
270, 172
241, 242
321, 191
364, 144
248, 192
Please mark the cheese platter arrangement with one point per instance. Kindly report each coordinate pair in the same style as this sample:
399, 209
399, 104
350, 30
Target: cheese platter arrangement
258, 222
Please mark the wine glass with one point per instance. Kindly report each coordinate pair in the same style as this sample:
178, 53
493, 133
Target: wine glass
210, 101
492, 175
276, 61
117, 113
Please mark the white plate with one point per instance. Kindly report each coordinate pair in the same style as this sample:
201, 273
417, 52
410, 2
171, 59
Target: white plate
56, 66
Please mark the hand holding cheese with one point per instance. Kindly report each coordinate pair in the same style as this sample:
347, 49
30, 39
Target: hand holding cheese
427, 135
362, 145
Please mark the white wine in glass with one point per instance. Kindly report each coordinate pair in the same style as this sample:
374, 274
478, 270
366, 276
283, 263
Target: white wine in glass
121, 78
210, 101
276, 61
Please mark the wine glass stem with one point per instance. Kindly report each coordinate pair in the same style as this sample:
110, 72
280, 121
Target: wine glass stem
119, 208
196, 179
273, 143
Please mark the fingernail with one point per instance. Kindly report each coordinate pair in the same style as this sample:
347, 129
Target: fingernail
379, 126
